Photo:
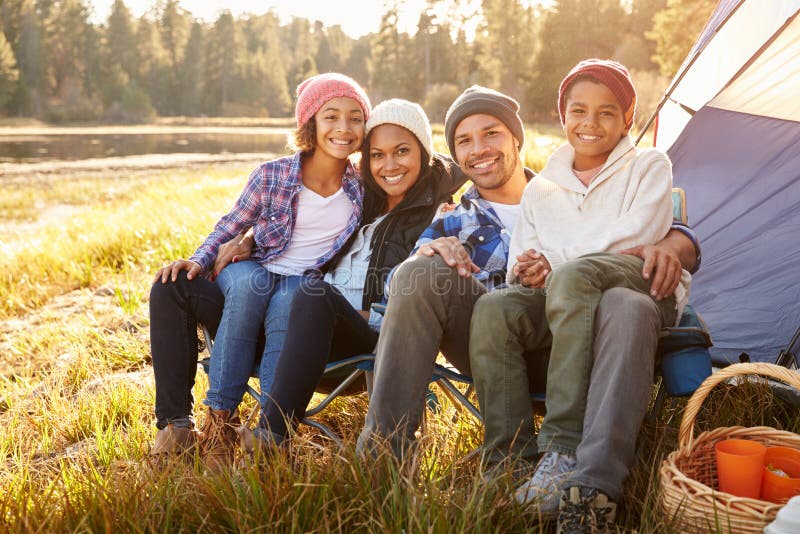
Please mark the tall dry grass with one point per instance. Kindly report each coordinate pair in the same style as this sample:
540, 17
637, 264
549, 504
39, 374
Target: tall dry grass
76, 393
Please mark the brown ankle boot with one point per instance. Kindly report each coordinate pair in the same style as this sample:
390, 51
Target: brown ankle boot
219, 439
174, 440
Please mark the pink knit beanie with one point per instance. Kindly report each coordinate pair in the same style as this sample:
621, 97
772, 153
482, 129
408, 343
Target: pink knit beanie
315, 91
609, 73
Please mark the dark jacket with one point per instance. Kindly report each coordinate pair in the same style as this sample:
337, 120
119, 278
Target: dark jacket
395, 236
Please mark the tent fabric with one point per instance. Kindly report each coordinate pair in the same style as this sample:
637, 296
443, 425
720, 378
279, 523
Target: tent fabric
728, 48
746, 211
731, 126
766, 87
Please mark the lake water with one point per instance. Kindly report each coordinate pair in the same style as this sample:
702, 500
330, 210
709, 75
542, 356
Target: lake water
36, 148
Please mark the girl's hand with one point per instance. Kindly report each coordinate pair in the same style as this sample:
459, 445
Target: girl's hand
237, 249
170, 272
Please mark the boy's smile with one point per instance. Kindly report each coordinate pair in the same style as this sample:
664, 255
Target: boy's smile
594, 123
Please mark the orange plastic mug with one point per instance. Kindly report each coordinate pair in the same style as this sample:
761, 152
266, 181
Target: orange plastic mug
775, 487
740, 467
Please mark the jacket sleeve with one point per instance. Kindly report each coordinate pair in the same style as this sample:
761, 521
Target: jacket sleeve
647, 220
452, 178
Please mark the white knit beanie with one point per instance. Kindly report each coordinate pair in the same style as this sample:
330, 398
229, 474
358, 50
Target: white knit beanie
403, 113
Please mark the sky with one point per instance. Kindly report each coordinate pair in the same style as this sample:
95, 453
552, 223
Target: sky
356, 18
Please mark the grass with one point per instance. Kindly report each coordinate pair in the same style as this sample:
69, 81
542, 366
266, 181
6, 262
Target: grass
76, 391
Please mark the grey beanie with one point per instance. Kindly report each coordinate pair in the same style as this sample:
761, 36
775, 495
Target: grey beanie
479, 99
403, 113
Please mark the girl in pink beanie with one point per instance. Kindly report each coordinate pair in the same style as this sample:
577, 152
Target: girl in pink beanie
302, 210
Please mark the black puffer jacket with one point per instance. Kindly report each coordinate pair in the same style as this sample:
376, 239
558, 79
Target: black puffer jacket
395, 236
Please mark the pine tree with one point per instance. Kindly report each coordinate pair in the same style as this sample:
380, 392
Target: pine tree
192, 73
173, 25
675, 29
9, 74
120, 38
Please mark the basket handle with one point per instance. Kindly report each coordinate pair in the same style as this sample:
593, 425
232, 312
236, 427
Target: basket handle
686, 434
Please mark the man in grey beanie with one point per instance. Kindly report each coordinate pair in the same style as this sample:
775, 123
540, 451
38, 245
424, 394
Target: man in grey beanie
457, 259
460, 257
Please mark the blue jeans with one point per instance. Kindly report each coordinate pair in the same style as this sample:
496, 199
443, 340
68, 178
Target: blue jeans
254, 299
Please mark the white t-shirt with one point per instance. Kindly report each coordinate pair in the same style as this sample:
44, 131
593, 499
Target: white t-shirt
320, 221
508, 214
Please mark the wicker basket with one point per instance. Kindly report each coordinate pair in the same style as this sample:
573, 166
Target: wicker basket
689, 474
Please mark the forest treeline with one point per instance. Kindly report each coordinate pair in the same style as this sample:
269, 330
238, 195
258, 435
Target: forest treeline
59, 66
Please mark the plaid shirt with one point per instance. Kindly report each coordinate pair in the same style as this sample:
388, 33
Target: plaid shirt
480, 230
269, 204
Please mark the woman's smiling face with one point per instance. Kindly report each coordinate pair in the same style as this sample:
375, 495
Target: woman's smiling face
395, 160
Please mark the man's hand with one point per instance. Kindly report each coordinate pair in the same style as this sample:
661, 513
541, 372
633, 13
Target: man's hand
237, 249
531, 268
453, 253
170, 272
661, 266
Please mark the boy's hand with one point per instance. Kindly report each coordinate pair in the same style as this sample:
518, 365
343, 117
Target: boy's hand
661, 266
453, 253
237, 249
531, 268
170, 272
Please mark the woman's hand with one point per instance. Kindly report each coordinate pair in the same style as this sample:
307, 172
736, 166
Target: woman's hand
237, 249
170, 272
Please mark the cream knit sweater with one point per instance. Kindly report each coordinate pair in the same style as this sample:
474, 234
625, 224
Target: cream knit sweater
629, 203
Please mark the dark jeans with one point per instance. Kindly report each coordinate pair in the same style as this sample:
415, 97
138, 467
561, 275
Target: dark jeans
323, 327
176, 308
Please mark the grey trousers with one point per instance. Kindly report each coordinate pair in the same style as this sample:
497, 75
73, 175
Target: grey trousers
429, 309
598, 392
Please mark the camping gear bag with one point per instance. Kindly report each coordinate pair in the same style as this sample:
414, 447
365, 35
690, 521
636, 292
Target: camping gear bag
685, 360
689, 474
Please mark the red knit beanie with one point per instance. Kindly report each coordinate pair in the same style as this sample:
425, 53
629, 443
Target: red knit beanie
609, 73
315, 91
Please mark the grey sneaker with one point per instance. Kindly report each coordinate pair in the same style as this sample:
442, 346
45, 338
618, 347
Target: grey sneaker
545, 486
174, 440
585, 511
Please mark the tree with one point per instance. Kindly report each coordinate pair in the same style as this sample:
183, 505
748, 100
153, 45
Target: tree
392, 67
121, 38
572, 30
506, 44
151, 64
8, 71
358, 64
334, 48
191, 79
222, 59
29, 96
173, 24
675, 30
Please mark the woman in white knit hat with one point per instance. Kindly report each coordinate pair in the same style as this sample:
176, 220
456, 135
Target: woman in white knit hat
330, 319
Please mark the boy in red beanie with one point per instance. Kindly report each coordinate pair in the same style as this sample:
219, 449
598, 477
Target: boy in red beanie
597, 195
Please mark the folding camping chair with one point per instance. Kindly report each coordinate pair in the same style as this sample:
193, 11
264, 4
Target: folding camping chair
345, 372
